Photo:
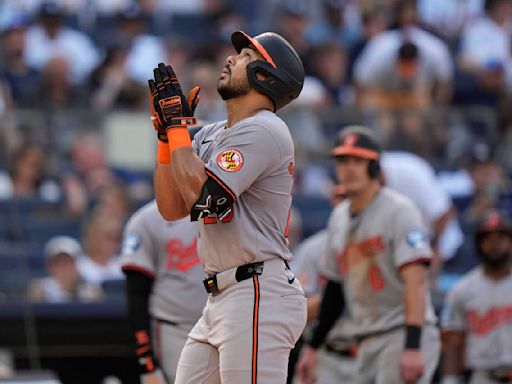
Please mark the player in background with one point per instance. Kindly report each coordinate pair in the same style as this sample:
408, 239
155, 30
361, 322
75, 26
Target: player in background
164, 290
376, 264
477, 315
336, 360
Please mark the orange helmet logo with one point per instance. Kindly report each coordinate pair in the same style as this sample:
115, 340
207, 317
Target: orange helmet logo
350, 139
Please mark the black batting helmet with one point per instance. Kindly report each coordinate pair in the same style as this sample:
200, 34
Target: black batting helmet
359, 141
492, 221
282, 68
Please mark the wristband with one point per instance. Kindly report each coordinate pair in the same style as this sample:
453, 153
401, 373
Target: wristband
412, 337
178, 137
144, 352
163, 153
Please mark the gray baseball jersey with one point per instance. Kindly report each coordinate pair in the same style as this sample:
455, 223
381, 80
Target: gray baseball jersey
482, 308
167, 251
366, 253
307, 262
253, 162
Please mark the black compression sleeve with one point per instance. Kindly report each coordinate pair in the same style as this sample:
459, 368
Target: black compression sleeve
330, 309
138, 288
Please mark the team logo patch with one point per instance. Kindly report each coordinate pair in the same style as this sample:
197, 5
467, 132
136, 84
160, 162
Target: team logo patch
417, 239
131, 243
230, 160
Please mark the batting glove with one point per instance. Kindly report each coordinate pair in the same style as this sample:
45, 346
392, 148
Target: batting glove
169, 107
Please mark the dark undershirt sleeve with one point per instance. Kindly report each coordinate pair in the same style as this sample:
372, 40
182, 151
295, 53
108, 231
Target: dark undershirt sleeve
138, 290
331, 308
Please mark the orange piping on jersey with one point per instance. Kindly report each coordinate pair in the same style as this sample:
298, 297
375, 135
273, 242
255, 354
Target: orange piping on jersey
287, 229
255, 319
136, 268
419, 260
219, 181
345, 150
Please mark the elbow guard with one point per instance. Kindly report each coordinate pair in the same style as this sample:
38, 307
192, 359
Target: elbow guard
214, 199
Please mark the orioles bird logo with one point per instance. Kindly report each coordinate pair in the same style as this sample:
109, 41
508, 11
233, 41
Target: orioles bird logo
230, 160
350, 139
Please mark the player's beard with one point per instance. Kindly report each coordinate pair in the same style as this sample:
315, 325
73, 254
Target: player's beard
233, 89
496, 261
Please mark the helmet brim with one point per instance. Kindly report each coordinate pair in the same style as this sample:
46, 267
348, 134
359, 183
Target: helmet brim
241, 40
355, 151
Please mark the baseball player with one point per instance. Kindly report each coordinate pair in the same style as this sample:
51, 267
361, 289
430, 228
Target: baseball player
477, 315
336, 360
376, 268
165, 296
236, 179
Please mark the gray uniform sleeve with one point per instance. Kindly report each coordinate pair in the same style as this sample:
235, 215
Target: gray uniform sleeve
453, 315
410, 239
199, 137
242, 157
307, 270
138, 251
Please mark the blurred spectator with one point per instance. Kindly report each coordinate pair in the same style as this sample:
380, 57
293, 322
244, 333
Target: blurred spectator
88, 163
190, 6
27, 176
50, 38
406, 67
178, 52
415, 178
329, 63
490, 184
292, 23
63, 283
211, 108
22, 80
113, 201
101, 241
485, 55
112, 86
305, 124
223, 22
339, 22
90, 174
374, 21
145, 51
57, 89
448, 18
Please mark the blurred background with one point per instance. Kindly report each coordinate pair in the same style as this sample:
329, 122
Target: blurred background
433, 79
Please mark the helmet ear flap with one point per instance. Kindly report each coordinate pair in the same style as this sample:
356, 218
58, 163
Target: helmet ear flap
374, 169
272, 82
